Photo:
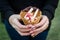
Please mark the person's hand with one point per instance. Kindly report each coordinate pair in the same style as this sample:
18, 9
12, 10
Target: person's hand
41, 26
21, 29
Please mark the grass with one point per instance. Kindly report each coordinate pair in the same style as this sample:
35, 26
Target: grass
3, 33
54, 33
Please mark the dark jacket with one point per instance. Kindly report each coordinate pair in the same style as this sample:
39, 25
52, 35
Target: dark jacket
9, 7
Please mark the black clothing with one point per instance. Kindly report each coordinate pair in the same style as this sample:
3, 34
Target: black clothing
9, 7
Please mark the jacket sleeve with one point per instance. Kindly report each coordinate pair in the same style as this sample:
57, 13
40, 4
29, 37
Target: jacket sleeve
49, 8
6, 9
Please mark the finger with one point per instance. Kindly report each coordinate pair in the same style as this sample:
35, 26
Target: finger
13, 19
17, 16
25, 30
41, 29
15, 27
19, 31
23, 34
28, 29
31, 26
17, 23
42, 22
33, 35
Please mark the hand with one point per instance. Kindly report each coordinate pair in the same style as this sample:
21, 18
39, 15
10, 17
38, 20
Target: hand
41, 26
23, 30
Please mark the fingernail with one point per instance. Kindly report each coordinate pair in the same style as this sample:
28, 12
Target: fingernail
32, 35
31, 32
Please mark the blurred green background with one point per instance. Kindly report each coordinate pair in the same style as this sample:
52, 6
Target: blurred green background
54, 32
